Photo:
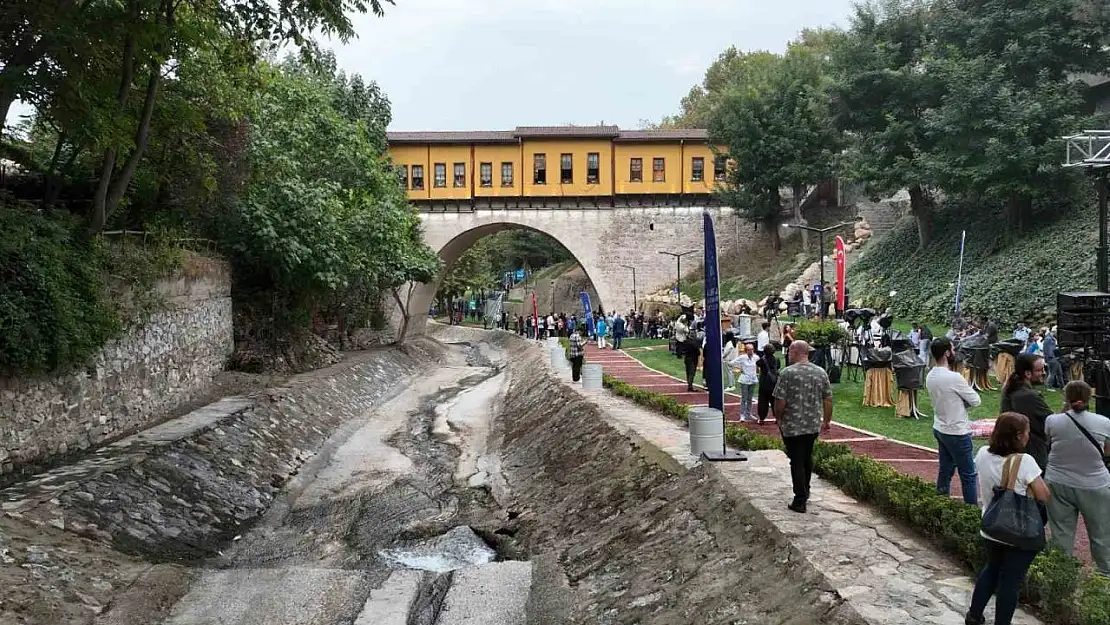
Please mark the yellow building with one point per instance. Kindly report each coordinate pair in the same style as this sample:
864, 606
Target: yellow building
556, 165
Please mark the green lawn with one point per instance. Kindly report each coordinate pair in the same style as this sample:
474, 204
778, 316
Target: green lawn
848, 404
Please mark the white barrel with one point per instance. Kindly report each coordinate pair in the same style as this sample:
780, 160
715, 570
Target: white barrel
559, 357
707, 430
743, 325
591, 377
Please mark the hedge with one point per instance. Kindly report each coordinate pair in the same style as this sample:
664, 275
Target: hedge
1058, 585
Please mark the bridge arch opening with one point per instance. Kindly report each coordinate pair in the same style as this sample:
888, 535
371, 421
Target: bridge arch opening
450, 251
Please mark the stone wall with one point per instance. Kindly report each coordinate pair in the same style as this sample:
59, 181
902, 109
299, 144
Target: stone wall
136, 380
601, 240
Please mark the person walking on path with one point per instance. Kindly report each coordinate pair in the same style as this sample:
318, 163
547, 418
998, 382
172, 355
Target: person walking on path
619, 328
768, 376
602, 329
803, 408
747, 365
1019, 396
728, 354
1006, 566
691, 352
1079, 442
577, 353
952, 396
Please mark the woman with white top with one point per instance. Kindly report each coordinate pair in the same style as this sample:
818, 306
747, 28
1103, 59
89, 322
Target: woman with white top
1006, 565
1077, 475
746, 364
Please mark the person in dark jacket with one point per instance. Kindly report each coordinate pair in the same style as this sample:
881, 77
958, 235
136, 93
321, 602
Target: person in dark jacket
1019, 396
691, 354
768, 367
619, 330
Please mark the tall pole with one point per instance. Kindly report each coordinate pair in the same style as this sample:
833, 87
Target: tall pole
821, 260
678, 283
1103, 186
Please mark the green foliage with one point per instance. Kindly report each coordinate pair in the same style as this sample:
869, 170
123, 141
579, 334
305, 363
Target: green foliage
1057, 584
54, 312
323, 217
819, 333
1005, 279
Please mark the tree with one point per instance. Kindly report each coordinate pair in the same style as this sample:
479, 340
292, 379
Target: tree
732, 69
778, 135
1010, 93
880, 96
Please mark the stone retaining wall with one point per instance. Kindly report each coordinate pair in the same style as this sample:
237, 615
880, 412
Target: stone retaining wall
138, 378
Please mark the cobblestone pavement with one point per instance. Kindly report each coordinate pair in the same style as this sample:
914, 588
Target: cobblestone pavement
908, 459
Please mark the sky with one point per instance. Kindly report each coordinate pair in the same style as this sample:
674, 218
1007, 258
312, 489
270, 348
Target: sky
497, 64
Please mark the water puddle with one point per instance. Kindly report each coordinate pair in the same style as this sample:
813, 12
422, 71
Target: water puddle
457, 549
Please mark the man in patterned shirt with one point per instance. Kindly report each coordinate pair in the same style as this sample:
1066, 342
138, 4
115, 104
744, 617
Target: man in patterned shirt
577, 353
803, 408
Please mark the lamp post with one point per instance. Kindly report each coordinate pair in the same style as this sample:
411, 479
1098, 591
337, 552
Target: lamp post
552, 297
678, 283
633, 284
821, 250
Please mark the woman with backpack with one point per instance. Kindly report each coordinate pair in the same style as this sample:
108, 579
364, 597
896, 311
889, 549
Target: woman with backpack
1079, 442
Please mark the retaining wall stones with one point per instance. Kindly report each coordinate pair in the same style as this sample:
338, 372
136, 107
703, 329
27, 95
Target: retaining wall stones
138, 378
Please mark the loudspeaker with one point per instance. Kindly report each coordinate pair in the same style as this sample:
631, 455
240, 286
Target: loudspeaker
1093, 301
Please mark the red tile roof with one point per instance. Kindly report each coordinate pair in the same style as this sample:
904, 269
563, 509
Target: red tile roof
567, 131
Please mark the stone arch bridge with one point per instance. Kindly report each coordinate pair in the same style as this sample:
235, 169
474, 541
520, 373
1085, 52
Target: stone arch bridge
602, 240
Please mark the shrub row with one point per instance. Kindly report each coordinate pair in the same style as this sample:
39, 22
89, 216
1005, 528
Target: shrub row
1058, 585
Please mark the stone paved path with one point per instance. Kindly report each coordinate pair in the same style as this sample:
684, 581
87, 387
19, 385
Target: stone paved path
907, 458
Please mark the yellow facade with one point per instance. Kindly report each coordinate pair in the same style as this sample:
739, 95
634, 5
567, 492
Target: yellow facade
649, 181
498, 155
408, 156
458, 166
579, 151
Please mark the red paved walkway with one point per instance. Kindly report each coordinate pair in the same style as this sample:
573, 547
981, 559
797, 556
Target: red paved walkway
908, 459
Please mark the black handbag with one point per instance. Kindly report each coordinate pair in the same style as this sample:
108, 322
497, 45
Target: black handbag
1011, 518
1101, 451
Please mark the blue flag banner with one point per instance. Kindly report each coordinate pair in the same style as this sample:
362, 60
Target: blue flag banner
588, 314
713, 373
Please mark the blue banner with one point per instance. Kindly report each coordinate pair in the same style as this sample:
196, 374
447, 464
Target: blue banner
713, 373
588, 313
519, 275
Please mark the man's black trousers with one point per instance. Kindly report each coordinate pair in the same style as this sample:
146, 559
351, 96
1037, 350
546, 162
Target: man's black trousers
799, 449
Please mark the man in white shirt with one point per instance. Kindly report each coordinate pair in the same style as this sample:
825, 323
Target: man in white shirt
763, 338
952, 396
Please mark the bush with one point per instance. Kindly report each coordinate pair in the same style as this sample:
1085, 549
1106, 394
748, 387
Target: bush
819, 333
54, 306
1057, 584
1057, 255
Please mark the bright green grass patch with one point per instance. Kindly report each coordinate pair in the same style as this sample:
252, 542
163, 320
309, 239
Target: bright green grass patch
848, 406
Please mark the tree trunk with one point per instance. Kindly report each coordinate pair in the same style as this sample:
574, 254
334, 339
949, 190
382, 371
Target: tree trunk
405, 317
922, 211
798, 191
1017, 211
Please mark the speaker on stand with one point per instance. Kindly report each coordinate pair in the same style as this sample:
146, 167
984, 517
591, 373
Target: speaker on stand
1083, 322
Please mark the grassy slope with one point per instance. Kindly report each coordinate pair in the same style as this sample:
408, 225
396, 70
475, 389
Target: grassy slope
1006, 276
848, 404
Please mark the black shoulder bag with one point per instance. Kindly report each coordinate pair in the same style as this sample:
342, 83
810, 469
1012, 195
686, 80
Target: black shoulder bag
1101, 450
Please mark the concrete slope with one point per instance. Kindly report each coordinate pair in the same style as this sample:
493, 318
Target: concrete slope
491, 594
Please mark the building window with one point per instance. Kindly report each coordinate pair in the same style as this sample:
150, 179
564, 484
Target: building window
506, 174
539, 169
460, 174
440, 175
593, 168
719, 168
697, 169
405, 176
566, 169
636, 170
485, 174
417, 177
658, 170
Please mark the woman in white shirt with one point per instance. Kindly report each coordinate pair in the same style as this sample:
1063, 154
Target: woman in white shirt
1077, 475
745, 364
1006, 565
728, 354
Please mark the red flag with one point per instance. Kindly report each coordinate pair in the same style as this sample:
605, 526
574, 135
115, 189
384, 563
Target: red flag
841, 301
535, 315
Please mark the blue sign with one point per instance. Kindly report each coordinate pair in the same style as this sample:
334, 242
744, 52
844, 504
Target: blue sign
519, 275
588, 313
713, 365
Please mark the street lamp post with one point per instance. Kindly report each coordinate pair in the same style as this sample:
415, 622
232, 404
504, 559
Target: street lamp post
633, 284
678, 283
552, 297
821, 250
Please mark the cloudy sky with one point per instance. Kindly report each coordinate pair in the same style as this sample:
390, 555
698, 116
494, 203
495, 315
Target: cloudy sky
496, 64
